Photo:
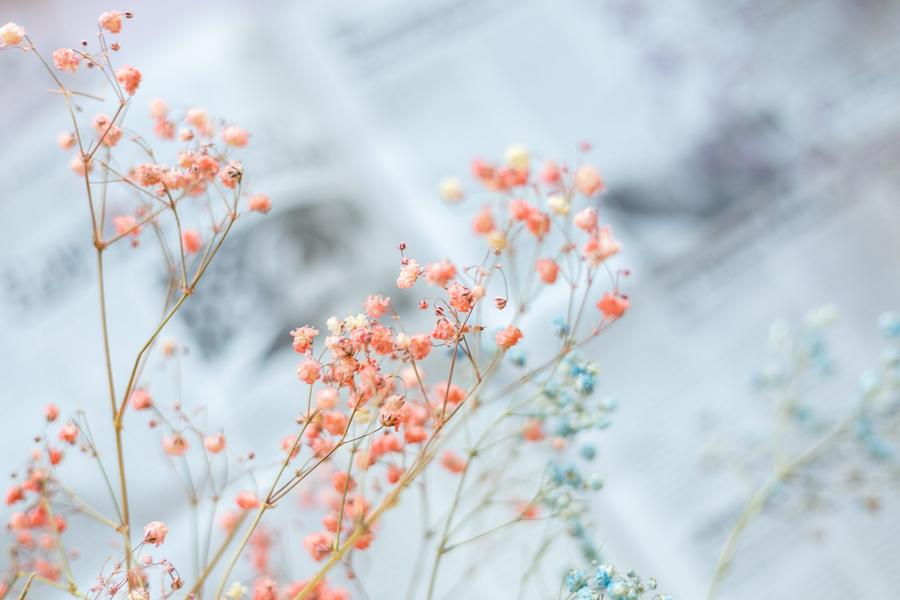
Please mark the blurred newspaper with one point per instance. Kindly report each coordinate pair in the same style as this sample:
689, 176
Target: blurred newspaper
750, 151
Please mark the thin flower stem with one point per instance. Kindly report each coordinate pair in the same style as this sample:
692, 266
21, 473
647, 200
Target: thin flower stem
758, 500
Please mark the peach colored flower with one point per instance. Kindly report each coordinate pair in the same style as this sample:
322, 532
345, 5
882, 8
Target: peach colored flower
303, 338
65, 59
214, 443
309, 371
11, 35
155, 533
613, 306
191, 240
538, 223
318, 544
65, 140
461, 297
77, 165
130, 78
235, 136
419, 346
259, 203
409, 272
158, 108
599, 247
247, 500
51, 412
508, 337
327, 398
547, 270
377, 305
483, 223
533, 430
453, 462
440, 273
588, 180
111, 21
550, 173
69, 433
140, 399
174, 445
586, 219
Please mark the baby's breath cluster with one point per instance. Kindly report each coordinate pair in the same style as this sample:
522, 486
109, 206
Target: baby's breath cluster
606, 582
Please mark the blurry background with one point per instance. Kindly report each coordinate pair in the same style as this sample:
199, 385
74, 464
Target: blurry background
750, 149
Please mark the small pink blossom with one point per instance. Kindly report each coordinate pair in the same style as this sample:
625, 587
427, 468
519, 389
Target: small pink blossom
419, 346
247, 500
377, 305
461, 297
309, 371
11, 35
303, 338
155, 533
440, 273
599, 247
191, 240
547, 270
65, 59
130, 78
259, 203
613, 306
508, 337
65, 140
588, 180
409, 272
77, 164
51, 412
483, 223
232, 174
69, 433
214, 443
174, 445
453, 462
235, 136
141, 399
318, 544
586, 220
111, 21
158, 108
327, 398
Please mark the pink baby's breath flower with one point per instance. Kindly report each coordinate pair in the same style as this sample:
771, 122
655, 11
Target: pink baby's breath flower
155, 533
309, 371
550, 173
588, 180
14, 494
158, 108
235, 136
318, 544
377, 305
232, 174
174, 445
69, 433
303, 338
229, 520
214, 443
130, 78
247, 500
11, 35
533, 430
440, 273
65, 140
538, 223
198, 118
259, 203
599, 247
141, 399
127, 225
408, 274
111, 21
327, 398
65, 59
613, 306
453, 462
483, 223
77, 164
191, 240
508, 337
419, 346
51, 412
547, 270
586, 220
109, 132
461, 297
520, 210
